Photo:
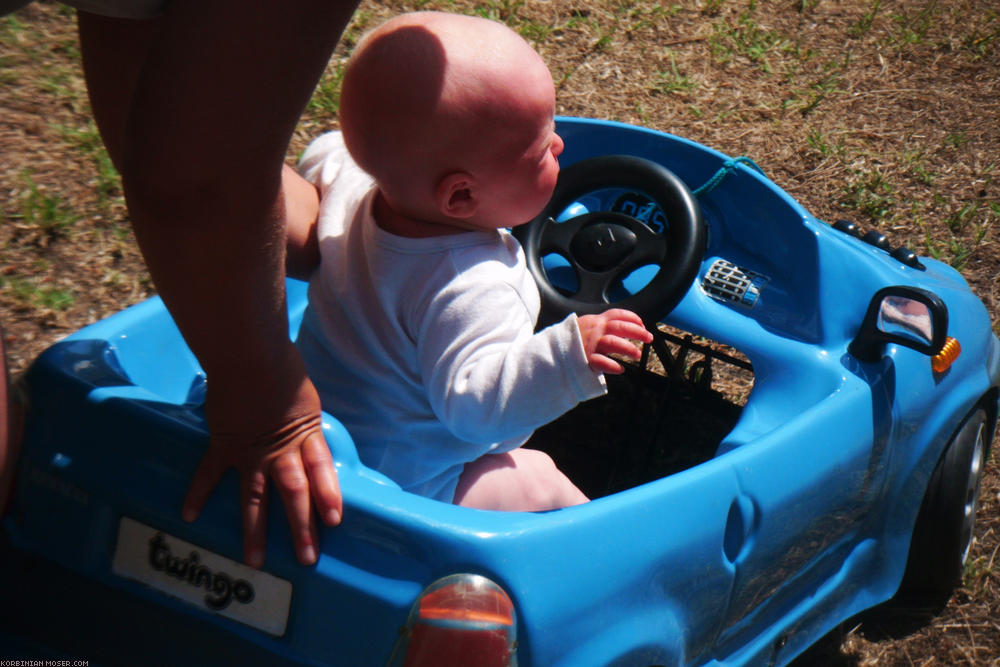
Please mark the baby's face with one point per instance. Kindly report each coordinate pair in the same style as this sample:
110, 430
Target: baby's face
524, 186
517, 184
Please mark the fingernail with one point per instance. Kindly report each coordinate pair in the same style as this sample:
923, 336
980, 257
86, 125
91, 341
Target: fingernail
308, 554
332, 518
189, 515
255, 558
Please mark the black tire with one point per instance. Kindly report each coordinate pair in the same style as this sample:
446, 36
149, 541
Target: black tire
943, 534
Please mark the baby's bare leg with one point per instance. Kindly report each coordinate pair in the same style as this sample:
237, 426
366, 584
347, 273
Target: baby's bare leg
523, 480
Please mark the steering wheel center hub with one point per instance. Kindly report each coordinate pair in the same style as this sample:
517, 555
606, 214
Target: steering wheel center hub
602, 245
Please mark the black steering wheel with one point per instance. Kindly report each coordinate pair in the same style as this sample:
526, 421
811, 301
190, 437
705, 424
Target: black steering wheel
604, 247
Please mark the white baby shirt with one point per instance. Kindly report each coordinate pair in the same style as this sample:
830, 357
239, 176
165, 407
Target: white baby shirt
424, 347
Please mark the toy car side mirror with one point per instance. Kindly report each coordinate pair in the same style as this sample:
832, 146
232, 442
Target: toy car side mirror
908, 316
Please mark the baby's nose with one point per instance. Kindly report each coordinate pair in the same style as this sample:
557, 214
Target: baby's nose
557, 144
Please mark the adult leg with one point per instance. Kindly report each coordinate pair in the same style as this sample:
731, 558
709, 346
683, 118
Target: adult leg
522, 480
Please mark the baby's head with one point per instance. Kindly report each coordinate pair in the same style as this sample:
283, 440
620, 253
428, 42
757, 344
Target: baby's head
453, 116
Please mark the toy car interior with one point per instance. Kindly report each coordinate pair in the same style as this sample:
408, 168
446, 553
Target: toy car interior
802, 441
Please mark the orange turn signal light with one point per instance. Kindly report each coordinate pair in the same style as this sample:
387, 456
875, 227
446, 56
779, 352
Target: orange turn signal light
471, 602
943, 360
461, 619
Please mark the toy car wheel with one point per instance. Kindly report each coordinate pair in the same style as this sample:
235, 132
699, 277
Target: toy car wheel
943, 535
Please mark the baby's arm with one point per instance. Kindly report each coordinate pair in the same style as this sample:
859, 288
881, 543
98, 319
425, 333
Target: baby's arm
611, 332
489, 378
301, 211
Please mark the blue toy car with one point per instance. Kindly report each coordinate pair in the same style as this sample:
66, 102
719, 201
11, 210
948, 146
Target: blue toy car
726, 529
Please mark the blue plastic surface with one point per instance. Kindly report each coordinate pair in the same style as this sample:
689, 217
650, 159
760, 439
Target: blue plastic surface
800, 520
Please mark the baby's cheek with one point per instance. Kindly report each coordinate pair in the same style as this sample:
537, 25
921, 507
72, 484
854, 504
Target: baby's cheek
547, 186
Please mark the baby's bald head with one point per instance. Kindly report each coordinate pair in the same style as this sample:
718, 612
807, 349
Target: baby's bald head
427, 93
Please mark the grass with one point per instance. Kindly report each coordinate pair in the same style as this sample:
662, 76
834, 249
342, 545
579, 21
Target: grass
672, 81
504, 11
826, 146
746, 38
956, 139
31, 295
45, 213
915, 162
326, 98
871, 194
865, 22
914, 27
713, 7
818, 92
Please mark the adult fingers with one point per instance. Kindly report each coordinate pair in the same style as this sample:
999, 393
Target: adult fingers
289, 476
322, 475
253, 491
206, 477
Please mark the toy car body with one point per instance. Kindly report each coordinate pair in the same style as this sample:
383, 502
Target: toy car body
800, 517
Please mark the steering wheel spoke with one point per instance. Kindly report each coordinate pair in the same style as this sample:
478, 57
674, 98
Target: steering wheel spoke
593, 286
653, 251
557, 236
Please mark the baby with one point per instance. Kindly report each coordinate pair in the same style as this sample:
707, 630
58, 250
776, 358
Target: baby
419, 333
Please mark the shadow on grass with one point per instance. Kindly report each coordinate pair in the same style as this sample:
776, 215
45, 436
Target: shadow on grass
891, 621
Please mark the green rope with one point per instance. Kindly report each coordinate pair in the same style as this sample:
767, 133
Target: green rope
727, 168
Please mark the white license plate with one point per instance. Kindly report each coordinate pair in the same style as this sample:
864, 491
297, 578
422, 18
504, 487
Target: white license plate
205, 579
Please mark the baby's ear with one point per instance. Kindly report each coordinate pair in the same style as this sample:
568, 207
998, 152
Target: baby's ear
455, 195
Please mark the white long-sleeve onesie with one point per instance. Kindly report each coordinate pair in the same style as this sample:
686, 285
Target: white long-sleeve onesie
424, 347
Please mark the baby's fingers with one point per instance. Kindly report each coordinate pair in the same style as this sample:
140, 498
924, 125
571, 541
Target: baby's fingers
627, 324
629, 330
622, 315
617, 345
602, 364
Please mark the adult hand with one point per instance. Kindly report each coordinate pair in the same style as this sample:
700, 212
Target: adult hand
278, 438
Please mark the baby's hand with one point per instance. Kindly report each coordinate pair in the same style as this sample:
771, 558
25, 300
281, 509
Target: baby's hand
611, 332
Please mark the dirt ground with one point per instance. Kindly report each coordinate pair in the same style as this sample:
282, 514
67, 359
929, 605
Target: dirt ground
884, 112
